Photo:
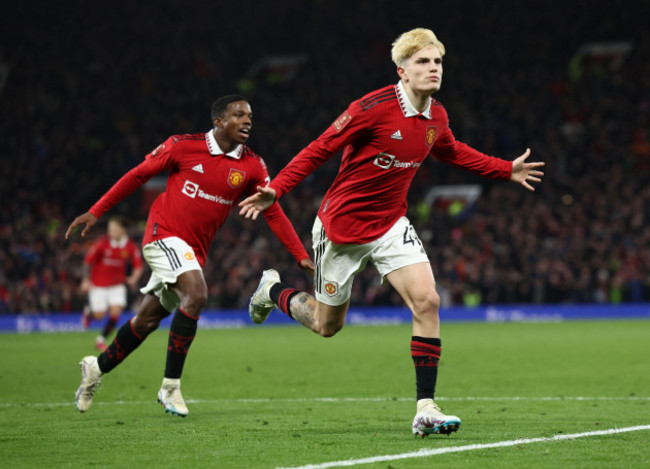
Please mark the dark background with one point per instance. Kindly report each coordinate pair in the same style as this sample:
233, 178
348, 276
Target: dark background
87, 89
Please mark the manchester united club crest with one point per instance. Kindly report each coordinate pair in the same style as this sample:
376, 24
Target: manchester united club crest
331, 288
236, 177
431, 135
189, 256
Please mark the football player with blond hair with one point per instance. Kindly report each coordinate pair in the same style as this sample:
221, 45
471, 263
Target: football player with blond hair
385, 136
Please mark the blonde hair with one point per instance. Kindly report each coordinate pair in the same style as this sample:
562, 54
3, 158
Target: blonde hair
411, 42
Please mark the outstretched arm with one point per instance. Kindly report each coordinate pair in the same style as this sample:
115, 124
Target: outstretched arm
458, 154
523, 172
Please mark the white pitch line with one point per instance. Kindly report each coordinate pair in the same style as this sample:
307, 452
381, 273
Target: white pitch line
266, 400
457, 449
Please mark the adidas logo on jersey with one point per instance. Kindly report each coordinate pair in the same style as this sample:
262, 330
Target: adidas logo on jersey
397, 135
198, 168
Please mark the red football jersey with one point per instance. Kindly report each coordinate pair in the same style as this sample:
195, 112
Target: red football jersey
202, 188
385, 140
108, 261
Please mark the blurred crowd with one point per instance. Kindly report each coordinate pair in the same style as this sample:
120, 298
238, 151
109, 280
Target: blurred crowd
86, 93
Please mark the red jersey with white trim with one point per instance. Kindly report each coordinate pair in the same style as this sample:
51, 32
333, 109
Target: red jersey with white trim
202, 188
108, 261
384, 141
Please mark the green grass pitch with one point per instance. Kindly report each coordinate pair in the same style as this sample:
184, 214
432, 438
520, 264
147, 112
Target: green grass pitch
265, 397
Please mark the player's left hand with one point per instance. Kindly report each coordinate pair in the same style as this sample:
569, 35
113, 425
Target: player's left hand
87, 218
523, 172
308, 266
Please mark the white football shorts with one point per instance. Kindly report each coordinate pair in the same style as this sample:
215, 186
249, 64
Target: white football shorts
101, 298
168, 258
337, 264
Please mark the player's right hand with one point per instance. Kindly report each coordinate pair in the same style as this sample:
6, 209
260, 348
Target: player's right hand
308, 266
87, 218
253, 205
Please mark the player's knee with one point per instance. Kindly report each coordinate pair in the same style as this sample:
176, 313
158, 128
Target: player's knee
194, 297
427, 305
329, 329
194, 302
115, 313
326, 331
145, 325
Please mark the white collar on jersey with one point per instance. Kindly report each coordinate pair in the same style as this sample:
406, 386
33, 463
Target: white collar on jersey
214, 149
405, 103
120, 243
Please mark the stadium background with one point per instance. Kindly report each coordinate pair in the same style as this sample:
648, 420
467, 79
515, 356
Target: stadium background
87, 92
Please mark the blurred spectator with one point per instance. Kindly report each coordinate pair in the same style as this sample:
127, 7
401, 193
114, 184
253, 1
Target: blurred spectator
86, 93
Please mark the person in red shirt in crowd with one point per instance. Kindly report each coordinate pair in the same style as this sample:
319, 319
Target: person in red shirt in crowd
385, 136
104, 277
208, 173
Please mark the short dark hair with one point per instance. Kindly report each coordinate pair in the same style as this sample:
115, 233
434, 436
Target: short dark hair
220, 105
120, 220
